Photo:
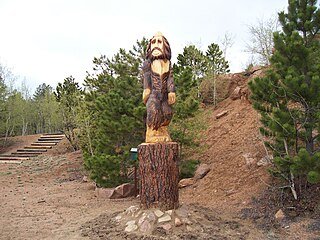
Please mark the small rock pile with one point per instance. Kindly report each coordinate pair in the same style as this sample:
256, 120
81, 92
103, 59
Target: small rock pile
135, 219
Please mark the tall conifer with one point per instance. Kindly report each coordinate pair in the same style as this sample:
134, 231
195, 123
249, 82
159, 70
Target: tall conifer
288, 96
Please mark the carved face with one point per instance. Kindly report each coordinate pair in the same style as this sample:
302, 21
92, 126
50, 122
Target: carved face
157, 46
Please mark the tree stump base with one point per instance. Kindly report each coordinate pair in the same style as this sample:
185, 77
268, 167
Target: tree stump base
159, 175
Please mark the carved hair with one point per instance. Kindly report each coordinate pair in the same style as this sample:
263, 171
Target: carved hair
166, 51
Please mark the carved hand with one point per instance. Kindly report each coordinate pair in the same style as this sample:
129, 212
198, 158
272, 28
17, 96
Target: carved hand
171, 98
145, 95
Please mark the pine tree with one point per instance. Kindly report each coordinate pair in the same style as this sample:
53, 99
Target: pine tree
3, 93
68, 95
113, 98
47, 118
205, 68
186, 106
288, 97
216, 65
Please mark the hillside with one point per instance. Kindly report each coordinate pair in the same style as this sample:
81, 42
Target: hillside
233, 148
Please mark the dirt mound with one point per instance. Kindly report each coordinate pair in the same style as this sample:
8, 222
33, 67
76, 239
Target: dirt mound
233, 148
206, 224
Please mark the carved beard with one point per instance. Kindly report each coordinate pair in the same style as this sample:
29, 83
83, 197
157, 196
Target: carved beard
161, 56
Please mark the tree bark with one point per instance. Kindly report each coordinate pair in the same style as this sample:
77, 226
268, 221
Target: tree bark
159, 175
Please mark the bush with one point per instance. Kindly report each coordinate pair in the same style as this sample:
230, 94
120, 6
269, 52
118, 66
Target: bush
105, 170
188, 168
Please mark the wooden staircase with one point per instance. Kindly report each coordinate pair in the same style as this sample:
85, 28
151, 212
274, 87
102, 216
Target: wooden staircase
45, 142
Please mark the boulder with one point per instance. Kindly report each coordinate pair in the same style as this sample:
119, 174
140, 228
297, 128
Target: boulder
220, 115
125, 190
249, 158
186, 182
201, 171
106, 193
280, 215
236, 94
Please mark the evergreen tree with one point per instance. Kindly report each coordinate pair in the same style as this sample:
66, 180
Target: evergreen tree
113, 98
216, 65
194, 59
288, 97
47, 118
205, 67
3, 93
185, 108
68, 95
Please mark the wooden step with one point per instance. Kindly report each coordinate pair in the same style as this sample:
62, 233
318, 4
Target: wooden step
52, 136
49, 139
13, 158
32, 150
43, 144
26, 153
10, 161
47, 142
38, 147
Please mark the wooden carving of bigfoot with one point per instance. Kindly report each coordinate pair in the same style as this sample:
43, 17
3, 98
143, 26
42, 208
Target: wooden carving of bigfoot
159, 91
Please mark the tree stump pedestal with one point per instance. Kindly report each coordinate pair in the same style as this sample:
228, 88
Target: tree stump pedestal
159, 175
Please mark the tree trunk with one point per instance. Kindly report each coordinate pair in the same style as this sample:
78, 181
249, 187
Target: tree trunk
159, 175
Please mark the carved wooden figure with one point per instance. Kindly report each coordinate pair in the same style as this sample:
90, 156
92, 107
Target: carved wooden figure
158, 156
159, 90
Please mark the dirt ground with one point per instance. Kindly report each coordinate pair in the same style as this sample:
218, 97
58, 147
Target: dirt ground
46, 197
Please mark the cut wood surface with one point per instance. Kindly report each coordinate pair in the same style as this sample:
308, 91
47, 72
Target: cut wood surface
38, 147
26, 153
10, 161
13, 158
52, 136
32, 150
44, 144
159, 175
49, 139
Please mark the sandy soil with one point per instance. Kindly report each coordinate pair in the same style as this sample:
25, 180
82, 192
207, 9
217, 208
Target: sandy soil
45, 198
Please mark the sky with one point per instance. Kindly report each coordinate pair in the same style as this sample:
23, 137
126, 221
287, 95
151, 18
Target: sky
45, 41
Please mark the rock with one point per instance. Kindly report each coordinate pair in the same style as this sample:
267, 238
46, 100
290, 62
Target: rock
165, 218
118, 218
249, 159
142, 219
177, 222
280, 215
220, 115
106, 193
85, 179
146, 226
201, 171
166, 226
132, 222
266, 160
132, 210
182, 211
131, 228
186, 182
169, 212
186, 221
125, 190
151, 217
158, 213
236, 94
190, 229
